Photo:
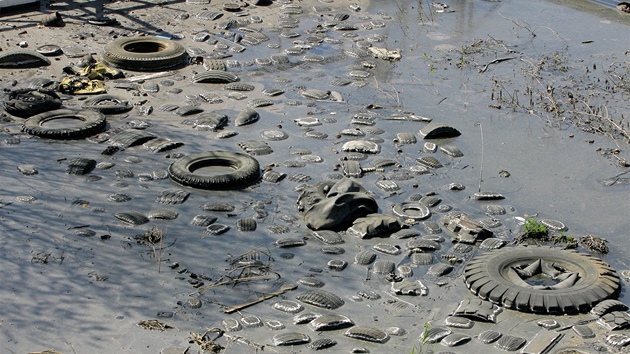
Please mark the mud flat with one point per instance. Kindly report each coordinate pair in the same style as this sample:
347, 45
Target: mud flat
223, 198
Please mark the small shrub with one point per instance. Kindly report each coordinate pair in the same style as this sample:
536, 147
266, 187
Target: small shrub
533, 231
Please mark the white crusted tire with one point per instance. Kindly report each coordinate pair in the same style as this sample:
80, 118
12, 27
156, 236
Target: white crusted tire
541, 279
215, 170
144, 53
71, 124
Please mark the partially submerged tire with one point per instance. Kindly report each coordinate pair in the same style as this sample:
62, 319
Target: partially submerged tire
541, 279
107, 104
144, 53
26, 103
215, 170
70, 124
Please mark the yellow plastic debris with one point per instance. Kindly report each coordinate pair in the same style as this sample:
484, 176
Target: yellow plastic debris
81, 86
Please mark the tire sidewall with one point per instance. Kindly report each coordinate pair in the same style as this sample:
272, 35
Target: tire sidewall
93, 122
489, 277
173, 54
246, 170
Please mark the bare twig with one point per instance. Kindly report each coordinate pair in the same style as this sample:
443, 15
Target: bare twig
234, 338
235, 280
481, 168
605, 117
161, 252
283, 288
529, 29
397, 98
495, 61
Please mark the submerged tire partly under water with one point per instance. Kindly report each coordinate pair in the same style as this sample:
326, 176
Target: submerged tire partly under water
144, 53
89, 123
541, 279
215, 170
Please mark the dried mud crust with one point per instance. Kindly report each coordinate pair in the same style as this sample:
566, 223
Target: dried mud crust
541, 279
242, 170
91, 122
144, 53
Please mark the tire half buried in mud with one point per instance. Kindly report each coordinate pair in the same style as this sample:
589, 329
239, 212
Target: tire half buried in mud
541, 279
215, 170
28, 102
144, 53
71, 124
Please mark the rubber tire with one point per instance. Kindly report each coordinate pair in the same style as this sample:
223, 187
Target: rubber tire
24, 103
121, 105
152, 53
485, 276
93, 122
246, 170
104, 21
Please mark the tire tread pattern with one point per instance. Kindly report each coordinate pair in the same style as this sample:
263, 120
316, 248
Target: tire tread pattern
172, 54
93, 122
246, 170
485, 276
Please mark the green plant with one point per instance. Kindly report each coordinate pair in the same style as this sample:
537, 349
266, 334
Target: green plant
569, 241
423, 340
535, 229
425, 333
463, 57
430, 62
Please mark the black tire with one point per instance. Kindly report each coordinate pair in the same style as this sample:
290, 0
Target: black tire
144, 53
103, 21
492, 276
22, 58
91, 122
95, 104
242, 170
26, 103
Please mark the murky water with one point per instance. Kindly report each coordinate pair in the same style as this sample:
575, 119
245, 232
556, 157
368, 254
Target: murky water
554, 171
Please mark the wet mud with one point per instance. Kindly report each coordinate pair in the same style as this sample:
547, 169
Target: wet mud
102, 251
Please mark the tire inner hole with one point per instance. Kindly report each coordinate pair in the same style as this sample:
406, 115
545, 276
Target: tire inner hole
62, 122
144, 47
211, 168
542, 274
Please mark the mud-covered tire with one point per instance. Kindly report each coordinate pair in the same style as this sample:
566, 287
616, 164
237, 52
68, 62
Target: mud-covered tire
144, 53
95, 103
235, 170
90, 123
492, 277
26, 103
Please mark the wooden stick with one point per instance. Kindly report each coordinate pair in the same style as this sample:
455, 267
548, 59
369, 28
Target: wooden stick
481, 167
284, 288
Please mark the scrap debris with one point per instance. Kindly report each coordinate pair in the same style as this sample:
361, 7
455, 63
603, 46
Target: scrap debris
154, 325
385, 54
204, 342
